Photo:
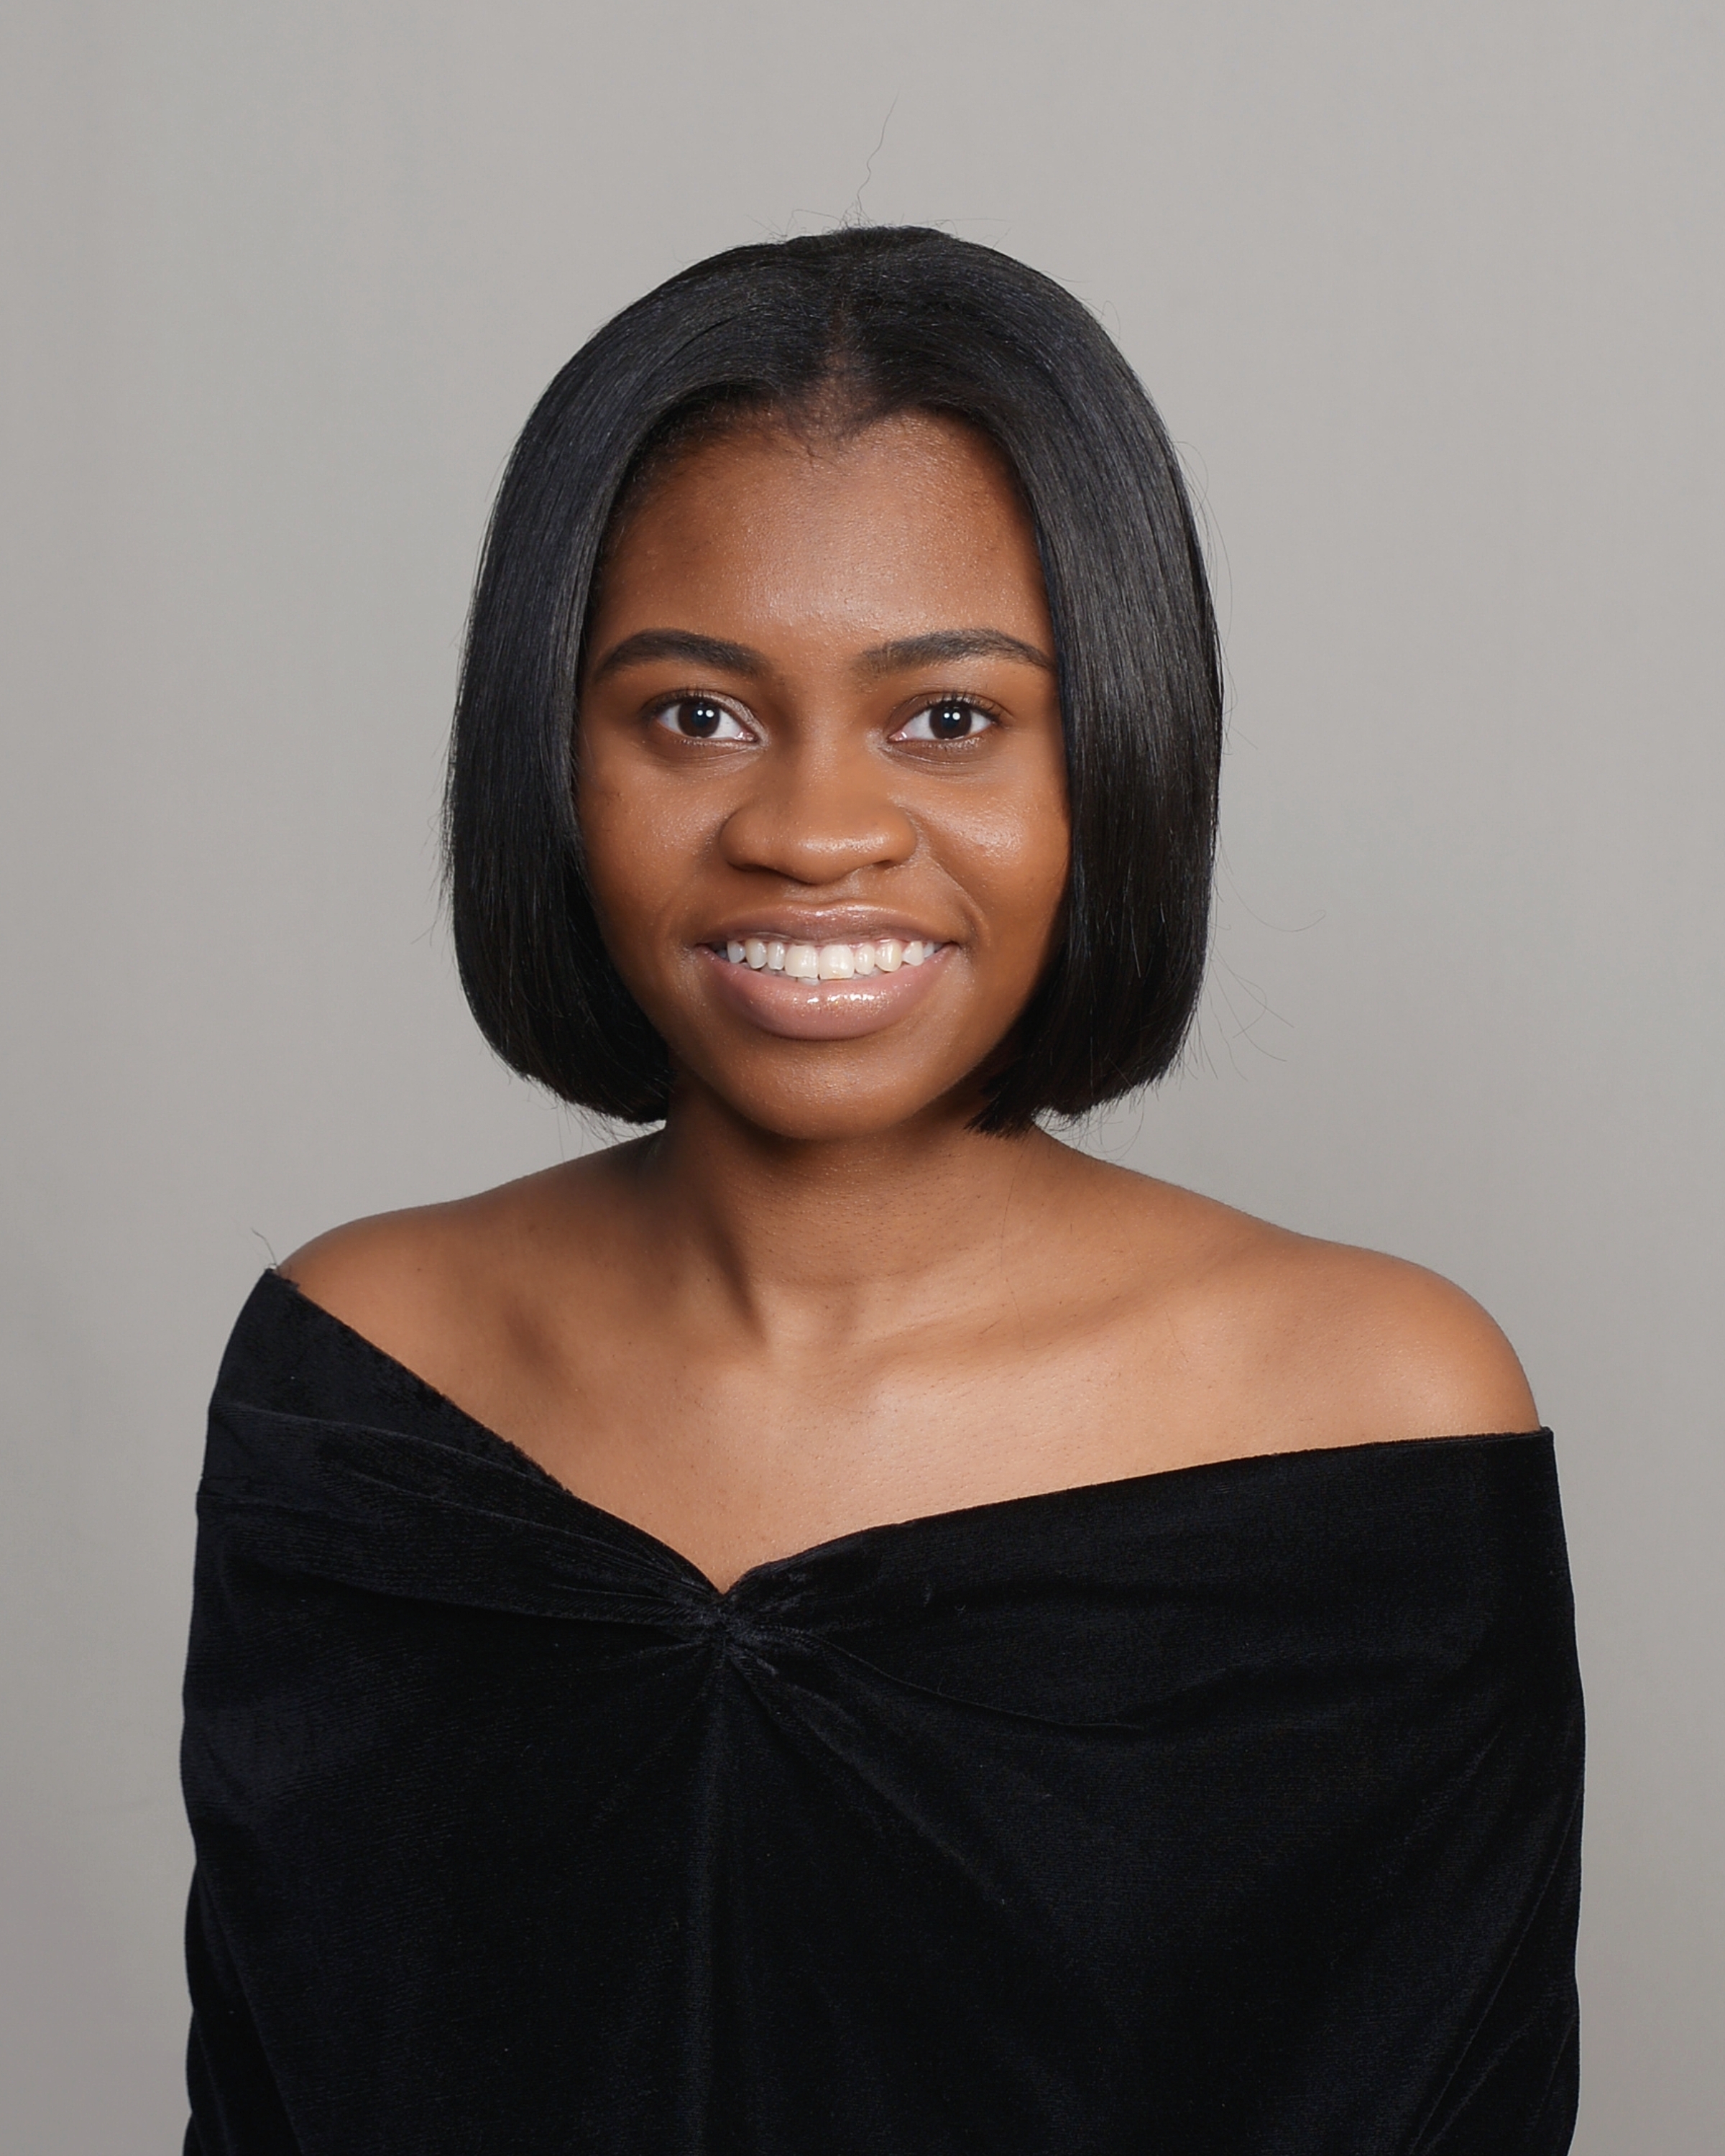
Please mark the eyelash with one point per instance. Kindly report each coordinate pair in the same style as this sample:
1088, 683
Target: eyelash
664, 706
973, 704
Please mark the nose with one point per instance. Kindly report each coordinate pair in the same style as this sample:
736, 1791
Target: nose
817, 815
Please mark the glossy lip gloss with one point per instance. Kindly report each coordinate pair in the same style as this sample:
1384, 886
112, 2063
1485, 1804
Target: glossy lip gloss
823, 1010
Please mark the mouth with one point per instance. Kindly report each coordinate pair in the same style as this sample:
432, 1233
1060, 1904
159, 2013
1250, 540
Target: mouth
832, 991
827, 962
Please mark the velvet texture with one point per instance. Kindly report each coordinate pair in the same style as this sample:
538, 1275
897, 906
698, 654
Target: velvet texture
1233, 1809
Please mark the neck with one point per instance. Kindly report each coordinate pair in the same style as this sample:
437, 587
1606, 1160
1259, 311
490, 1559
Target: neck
837, 1237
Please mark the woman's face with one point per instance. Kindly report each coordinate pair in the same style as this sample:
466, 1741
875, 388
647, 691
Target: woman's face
821, 781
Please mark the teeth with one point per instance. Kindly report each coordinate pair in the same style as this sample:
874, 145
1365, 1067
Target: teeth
827, 962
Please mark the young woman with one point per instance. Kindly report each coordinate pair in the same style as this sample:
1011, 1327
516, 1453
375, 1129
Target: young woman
844, 1624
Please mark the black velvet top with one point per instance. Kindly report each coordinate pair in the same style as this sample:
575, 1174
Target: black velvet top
1231, 1809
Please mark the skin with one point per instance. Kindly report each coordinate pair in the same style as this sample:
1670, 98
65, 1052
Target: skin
816, 1301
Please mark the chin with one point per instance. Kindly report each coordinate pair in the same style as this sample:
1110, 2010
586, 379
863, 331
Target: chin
836, 1111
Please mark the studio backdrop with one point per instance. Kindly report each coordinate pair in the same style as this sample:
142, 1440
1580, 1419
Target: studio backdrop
1429, 298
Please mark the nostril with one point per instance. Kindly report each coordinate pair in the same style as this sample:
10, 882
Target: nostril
814, 845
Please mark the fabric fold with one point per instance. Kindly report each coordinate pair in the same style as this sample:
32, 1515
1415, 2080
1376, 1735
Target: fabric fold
1231, 1810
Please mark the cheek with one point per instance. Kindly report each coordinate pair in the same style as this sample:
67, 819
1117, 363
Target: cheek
601, 815
626, 880
638, 843
1021, 864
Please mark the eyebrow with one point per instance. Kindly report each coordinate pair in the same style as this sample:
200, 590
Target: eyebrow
943, 645
648, 644
902, 656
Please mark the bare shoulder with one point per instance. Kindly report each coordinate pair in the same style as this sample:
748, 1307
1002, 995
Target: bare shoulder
394, 1278
1306, 1343
437, 1286
1395, 1350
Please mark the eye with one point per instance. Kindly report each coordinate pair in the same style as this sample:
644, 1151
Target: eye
950, 720
701, 718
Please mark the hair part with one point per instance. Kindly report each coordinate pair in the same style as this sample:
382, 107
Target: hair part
827, 335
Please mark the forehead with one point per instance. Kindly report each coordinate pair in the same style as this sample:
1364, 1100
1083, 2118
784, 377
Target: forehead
912, 521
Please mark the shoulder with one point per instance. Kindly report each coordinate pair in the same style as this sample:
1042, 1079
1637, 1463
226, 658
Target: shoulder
1392, 1348
1315, 1343
438, 1286
392, 1277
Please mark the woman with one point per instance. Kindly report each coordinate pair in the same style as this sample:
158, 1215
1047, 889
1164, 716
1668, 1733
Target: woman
844, 1623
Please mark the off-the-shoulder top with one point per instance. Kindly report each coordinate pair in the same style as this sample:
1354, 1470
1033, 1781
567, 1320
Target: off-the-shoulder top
1234, 1809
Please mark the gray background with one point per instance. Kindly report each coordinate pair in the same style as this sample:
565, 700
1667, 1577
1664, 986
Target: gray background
1430, 297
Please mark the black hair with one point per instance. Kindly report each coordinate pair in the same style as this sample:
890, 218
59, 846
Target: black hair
888, 319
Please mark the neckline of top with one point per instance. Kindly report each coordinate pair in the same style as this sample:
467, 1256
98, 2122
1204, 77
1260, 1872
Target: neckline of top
1123, 1485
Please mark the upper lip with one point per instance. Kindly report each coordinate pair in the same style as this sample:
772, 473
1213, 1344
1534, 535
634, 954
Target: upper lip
837, 924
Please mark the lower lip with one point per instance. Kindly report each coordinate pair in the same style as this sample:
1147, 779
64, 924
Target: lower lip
824, 1010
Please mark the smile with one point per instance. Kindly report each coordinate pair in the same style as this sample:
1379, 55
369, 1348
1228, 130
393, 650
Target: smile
806, 991
827, 962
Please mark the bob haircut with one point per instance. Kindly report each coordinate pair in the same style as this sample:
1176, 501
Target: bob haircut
869, 321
